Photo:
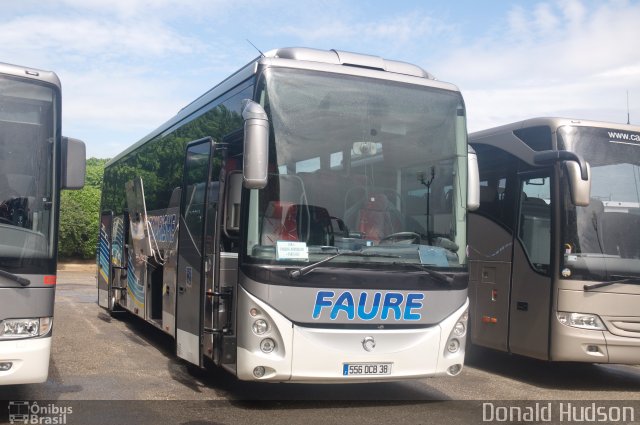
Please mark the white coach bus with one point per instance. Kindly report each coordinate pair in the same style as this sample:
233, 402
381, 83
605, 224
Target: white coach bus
304, 220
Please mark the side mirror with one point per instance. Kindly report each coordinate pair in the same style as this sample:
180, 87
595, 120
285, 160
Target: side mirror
550, 157
256, 145
578, 172
473, 180
73, 163
580, 189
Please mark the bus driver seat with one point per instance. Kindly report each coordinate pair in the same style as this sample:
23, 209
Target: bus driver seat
284, 221
375, 217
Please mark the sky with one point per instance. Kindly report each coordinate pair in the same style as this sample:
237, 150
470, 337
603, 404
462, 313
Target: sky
127, 66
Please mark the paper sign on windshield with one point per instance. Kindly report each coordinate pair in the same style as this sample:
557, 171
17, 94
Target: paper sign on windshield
288, 250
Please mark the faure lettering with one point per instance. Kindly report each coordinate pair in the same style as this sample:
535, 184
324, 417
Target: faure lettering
368, 306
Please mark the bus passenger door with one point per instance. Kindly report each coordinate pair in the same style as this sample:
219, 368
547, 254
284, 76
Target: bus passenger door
191, 261
530, 307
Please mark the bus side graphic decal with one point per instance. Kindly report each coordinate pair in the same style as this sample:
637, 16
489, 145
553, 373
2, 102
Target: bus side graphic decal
104, 253
134, 288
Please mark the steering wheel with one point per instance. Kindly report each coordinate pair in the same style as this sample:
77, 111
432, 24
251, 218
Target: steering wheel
402, 238
4, 213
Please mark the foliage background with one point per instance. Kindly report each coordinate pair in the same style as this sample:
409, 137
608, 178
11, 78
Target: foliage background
80, 214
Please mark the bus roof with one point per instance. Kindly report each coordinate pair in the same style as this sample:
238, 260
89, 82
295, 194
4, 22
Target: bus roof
553, 122
30, 73
323, 60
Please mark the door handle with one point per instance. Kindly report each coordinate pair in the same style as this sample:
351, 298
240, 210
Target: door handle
522, 306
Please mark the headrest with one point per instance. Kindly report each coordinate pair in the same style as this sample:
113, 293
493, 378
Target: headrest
377, 201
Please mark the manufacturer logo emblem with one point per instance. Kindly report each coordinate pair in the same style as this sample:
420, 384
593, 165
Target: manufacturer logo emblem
368, 343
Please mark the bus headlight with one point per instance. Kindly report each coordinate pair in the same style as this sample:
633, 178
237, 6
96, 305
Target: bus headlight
260, 326
267, 345
457, 336
25, 328
581, 320
453, 346
460, 329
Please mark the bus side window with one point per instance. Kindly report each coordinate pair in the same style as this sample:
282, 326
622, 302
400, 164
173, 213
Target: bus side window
497, 181
535, 222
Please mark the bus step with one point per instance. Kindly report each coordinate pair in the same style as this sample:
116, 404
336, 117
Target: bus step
218, 294
216, 331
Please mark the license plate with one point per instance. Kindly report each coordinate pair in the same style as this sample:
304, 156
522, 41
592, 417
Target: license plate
366, 369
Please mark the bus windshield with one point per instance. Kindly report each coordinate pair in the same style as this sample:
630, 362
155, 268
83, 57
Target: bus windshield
27, 134
600, 239
360, 165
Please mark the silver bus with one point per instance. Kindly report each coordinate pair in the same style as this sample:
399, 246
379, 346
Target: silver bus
304, 220
35, 163
555, 245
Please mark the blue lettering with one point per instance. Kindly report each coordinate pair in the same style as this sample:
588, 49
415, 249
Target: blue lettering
392, 301
321, 302
163, 227
362, 314
414, 301
394, 306
344, 303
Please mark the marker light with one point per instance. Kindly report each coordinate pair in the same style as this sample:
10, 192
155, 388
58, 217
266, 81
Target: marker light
260, 326
581, 320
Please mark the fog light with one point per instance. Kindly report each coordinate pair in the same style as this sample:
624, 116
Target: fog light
459, 329
258, 371
260, 326
453, 346
267, 345
4, 366
454, 370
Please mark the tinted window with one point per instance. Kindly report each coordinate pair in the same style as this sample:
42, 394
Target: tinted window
537, 138
535, 221
497, 174
28, 135
159, 162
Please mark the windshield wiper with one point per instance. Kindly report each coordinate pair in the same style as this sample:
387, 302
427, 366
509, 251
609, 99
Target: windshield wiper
298, 273
441, 277
634, 280
21, 280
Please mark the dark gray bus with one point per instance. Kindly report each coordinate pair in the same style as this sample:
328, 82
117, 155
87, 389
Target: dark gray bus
35, 163
555, 245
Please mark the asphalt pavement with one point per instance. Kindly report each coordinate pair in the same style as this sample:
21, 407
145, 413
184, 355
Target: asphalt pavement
118, 369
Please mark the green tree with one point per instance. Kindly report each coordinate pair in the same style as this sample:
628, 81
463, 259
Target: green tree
80, 215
